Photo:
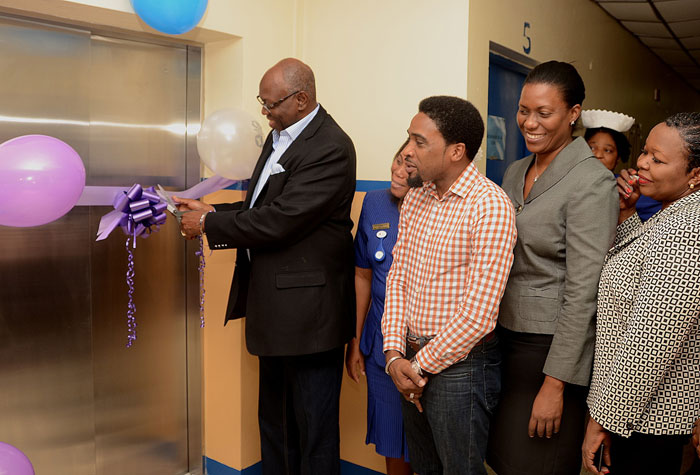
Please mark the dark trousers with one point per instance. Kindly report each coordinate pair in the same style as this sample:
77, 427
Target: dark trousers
645, 454
510, 450
298, 413
449, 436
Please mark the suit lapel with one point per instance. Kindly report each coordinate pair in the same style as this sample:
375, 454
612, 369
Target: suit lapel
298, 143
307, 133
264, 155
654, 220
523, 165
573, 154
632, 236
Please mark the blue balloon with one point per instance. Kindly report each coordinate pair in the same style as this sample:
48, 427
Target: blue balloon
173, 17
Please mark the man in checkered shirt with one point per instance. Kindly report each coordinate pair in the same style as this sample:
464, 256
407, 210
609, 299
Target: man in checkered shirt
451, 263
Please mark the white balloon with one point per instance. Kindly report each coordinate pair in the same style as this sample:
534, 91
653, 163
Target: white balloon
229, 143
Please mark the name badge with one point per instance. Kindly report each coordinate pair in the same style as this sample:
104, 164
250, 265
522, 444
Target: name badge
380, 253
380, 226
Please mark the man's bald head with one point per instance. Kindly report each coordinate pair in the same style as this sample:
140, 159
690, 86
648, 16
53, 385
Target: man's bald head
287, 92
297, 77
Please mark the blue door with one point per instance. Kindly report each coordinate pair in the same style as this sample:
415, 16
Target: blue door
505, 81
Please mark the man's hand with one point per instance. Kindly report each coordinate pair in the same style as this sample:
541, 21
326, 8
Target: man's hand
354, 360
547, 408
192, 205
407, 381
595, 435
189, 222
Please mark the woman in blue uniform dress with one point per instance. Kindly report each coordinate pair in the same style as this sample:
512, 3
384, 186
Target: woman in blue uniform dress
374, 242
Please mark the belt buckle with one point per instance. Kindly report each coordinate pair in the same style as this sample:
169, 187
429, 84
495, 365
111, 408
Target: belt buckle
417, 342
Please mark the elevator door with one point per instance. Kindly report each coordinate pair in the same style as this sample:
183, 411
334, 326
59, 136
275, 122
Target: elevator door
72, 396
506, 78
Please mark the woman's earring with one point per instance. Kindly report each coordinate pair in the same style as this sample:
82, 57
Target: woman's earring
691, 186
572, 123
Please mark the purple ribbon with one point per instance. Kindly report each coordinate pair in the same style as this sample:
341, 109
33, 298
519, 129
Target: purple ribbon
131, 306
202, 291
138, 211
131, 208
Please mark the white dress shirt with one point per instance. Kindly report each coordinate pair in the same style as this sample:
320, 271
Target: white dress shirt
280, 143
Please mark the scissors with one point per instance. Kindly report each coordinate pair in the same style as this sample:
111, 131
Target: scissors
172, 206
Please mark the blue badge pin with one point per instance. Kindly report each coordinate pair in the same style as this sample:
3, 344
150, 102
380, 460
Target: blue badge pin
380, 253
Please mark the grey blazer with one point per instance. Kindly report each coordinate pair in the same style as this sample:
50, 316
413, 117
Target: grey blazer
565, 227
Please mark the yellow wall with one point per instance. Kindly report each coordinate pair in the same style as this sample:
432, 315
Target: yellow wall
373, 61
619, 72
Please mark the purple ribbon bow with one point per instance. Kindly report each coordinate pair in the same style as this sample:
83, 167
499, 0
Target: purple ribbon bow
137, 211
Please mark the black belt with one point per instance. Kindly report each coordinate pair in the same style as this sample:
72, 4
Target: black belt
418, 342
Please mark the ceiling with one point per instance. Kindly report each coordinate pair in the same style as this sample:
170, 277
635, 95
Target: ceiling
670, 28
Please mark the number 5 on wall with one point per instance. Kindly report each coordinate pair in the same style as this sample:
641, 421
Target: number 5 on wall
526, 26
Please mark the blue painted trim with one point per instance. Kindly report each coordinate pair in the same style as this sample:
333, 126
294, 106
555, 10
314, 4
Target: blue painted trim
369, 185
239, 185
253, 469
212, 467
349, 468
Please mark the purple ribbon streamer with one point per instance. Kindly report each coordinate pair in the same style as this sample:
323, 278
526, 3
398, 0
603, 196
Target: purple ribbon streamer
137, 211
131, 306
200, 268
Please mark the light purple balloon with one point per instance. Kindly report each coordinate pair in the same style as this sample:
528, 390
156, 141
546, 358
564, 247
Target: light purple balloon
41, 179
13, 461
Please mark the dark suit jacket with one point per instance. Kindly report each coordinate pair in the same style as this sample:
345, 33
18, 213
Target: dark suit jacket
297, 288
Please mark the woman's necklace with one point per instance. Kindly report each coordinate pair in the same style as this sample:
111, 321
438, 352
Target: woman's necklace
537, 171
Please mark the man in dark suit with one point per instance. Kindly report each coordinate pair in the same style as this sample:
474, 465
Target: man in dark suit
294, 276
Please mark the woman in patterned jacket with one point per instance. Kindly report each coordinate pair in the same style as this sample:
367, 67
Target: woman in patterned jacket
645, 392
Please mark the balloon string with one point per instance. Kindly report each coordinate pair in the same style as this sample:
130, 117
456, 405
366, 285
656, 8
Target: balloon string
202, 265
131, 307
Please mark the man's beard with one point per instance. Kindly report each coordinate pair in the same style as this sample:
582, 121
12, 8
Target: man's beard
414, 181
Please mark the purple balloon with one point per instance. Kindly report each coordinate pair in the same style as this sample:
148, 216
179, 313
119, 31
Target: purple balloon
41, 179
13, 461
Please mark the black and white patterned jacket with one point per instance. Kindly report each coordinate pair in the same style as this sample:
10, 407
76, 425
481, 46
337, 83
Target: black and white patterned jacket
646, 371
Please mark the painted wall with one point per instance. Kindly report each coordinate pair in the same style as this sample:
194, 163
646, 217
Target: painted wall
373, 61
620, 74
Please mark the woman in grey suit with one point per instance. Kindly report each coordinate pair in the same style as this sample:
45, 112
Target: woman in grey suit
645, 392
566, 211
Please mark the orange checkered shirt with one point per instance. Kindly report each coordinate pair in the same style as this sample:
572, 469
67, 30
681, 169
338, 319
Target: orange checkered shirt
451, 265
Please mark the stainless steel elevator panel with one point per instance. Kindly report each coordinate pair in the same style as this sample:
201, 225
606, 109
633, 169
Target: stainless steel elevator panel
72, 396
46, 383
137, 112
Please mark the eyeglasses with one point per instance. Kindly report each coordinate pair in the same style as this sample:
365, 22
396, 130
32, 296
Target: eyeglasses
269, 107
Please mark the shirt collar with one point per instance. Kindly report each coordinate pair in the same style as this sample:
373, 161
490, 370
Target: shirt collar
294, 130
461, 185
